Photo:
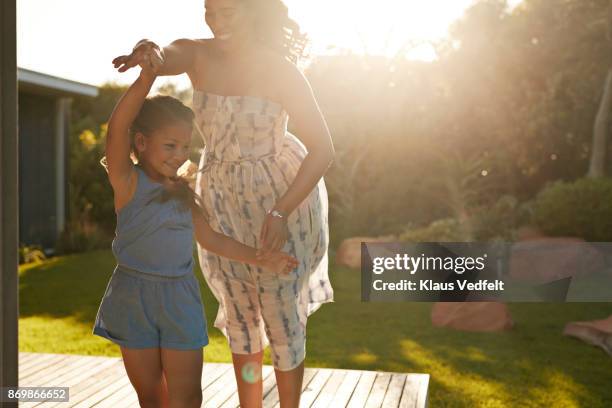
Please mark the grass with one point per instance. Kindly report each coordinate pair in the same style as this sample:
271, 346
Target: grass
530, 366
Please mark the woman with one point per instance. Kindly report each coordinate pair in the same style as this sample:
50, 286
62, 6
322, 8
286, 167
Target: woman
264, 187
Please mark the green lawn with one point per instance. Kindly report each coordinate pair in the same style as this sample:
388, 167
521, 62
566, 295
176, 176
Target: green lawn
533, 365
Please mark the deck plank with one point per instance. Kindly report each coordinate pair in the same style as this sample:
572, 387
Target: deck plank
346, 389
223, 382
25, 357
394, 391
272, 399
269, 382
36, 358
210, 373
48, 378
91, 384
78, 384
131, 400
423, 397
45, 360
326, 395
362, 390
36, 377
85, 365
378, 391
113, 385
102, 382
414, 394
311, 392
121, 394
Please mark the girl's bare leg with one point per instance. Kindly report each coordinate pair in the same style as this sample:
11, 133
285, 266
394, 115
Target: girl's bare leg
183, 372
144, 369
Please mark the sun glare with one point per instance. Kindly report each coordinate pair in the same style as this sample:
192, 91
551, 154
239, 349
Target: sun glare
382, 27
83, 53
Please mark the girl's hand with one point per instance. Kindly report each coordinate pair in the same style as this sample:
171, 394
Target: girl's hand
146, 53
274, 234
278, 262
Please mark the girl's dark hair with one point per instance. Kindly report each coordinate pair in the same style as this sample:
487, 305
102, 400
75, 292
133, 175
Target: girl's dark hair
157, 112
274, 28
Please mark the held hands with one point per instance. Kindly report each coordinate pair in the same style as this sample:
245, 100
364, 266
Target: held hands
278, 262
146, 53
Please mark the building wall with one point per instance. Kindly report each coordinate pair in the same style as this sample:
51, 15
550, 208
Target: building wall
37, 170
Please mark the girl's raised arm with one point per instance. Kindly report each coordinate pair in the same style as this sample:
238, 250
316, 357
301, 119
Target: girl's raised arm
118, 144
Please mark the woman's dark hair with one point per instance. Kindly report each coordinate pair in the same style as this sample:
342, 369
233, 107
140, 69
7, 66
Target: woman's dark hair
274, 28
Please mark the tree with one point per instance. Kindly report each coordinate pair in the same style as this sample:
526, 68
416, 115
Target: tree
602, 120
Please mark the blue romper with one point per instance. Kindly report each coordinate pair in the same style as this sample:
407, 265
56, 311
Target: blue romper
153, 298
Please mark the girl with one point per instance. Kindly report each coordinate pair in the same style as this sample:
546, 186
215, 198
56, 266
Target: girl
256, 176
152, 307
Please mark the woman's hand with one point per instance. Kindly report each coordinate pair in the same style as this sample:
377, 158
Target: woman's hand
274, 234
146, 53
278, 262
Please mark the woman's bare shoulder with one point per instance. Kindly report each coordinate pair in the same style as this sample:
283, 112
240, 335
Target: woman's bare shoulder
190, 44
202, 49
203, 42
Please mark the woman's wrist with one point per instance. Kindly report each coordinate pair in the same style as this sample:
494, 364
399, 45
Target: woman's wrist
278, 214
280, 208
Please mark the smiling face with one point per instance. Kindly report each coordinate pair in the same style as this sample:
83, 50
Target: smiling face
164, 150
230, 21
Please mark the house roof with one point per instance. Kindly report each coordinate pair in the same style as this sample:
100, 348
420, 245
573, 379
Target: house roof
37, 82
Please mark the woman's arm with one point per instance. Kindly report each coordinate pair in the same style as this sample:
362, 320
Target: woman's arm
227, 247
118, 145
174, 59
310, 127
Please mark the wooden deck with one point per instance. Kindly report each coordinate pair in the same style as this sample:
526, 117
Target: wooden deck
102, 382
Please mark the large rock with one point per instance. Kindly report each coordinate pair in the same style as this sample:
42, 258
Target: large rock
546, 259
349, 251
472, 316
595, 332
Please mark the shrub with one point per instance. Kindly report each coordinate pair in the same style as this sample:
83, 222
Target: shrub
582, 208
32, 253
444, 230
82, 237
499, 221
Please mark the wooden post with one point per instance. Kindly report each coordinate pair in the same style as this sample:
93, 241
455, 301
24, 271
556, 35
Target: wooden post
62, 110
9, 304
